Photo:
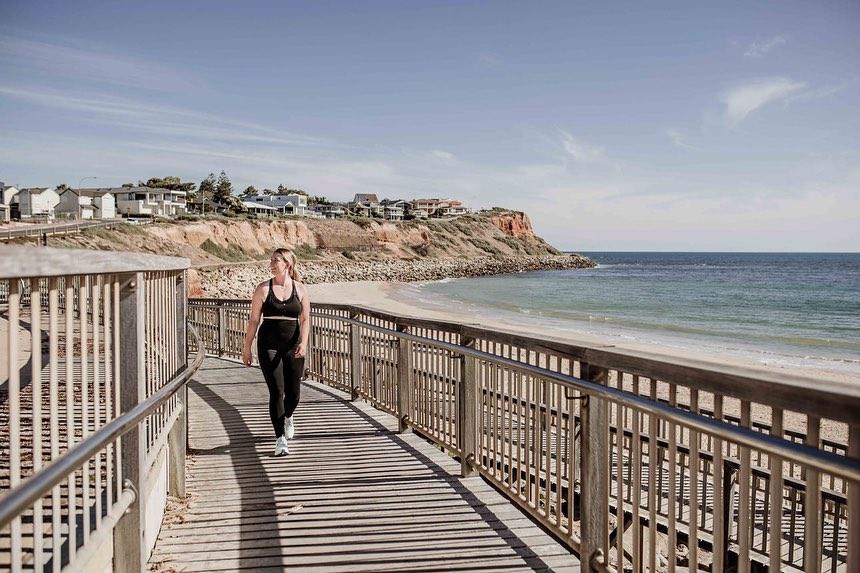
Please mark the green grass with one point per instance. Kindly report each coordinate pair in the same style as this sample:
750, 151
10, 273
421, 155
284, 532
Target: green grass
230, 254
306, 252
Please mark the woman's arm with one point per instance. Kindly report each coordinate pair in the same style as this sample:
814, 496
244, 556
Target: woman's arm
253, 322
304, 322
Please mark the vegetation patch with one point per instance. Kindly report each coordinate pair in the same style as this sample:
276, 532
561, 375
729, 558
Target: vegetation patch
306, 252
484, 246
230, 254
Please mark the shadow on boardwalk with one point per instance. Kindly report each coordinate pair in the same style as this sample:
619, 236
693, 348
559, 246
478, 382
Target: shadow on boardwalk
352, 495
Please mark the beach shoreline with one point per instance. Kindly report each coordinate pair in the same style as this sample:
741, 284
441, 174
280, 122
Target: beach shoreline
383, 296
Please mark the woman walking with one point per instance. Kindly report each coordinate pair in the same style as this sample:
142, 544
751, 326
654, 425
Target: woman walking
282, 304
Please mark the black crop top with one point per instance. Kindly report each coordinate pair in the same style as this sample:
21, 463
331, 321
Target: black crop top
290, 308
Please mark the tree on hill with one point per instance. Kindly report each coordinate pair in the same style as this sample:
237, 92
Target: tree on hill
318, 200
250, 191
284, 190
224, 195
206, 190
223, 189
268, 191
170, 182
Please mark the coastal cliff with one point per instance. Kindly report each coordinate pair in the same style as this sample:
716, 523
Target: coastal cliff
224, 240
230, 256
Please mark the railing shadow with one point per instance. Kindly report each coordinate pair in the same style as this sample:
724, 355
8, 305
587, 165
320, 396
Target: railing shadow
255, 488
498, 526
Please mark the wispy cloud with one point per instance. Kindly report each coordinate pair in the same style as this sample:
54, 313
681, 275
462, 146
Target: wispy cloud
678, 138
743, 100
759, 49
86, 64
580, 151
441, 154
165, 120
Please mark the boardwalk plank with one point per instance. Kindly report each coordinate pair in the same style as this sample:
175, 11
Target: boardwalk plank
352, 496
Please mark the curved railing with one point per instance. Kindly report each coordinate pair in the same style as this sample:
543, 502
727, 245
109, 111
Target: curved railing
616, 452
93, 405
33, 230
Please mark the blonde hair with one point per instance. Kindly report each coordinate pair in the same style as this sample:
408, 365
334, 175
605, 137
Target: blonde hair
290, 258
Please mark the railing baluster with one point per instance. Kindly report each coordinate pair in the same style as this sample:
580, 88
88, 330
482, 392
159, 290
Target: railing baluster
775, 516
853, 533
744, 497
671, 509
466, 418
129, 549
812, 504
53, 412
594, 456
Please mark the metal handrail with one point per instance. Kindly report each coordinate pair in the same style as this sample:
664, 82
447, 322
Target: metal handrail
24, 495
822, 460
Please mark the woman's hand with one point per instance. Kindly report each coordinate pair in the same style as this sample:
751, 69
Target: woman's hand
301, 348
246, 356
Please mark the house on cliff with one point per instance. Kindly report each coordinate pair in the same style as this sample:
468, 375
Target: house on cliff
37, 202
87, 204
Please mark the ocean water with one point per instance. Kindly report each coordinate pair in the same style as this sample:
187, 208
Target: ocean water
793, 310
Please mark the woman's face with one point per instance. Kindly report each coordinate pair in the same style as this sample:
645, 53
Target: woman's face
278, 265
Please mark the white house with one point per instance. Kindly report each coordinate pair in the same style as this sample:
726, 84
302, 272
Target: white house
292, 204
393, 209
366, 205
260, 209
423, 208
87, 204
332, 211
149, 201
37, 202
7, 193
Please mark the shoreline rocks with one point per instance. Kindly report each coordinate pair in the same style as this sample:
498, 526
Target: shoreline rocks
239, 281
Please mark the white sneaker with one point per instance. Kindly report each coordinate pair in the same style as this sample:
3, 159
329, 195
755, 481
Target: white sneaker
281, 447
291, 429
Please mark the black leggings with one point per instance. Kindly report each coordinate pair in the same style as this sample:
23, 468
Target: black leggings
276, 348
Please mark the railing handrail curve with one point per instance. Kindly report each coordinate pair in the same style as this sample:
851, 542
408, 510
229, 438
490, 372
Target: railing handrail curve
790, 391
822, 460
16, 501
21, 262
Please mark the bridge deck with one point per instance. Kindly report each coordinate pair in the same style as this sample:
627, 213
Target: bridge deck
353, 495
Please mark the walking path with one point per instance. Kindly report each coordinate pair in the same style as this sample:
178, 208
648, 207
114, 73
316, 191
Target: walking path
353, 494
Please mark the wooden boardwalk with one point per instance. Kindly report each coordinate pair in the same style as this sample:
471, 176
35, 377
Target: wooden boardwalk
353, 494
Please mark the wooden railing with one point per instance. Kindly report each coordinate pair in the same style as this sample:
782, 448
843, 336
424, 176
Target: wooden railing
92, 406
630, 458
33, 230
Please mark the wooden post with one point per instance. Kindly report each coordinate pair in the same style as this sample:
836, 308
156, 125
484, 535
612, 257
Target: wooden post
128, 543
404, 380
594, 460
221, 330
466, 411
853, 503
178, 436
354, 356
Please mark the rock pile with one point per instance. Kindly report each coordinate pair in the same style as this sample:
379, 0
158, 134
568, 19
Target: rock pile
239, 281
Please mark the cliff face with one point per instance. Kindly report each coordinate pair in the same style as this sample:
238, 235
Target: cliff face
513, 223
215, 241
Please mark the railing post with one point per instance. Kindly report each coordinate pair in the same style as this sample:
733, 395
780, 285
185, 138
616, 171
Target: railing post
853, 542
177, 438
404, 380
128, 540
354, 356
594, 461
466, 411
221, 330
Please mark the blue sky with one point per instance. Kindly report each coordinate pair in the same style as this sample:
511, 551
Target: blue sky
615, 126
